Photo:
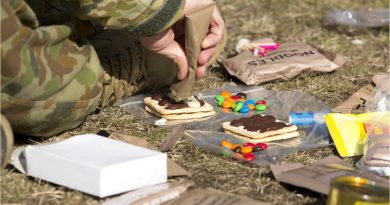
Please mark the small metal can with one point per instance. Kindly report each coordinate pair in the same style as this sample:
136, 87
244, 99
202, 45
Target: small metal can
351, 190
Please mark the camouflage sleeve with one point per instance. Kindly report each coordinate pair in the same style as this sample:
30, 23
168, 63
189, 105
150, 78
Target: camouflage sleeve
139, 17
48, 83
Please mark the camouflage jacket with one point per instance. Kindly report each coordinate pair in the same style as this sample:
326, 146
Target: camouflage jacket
49, 83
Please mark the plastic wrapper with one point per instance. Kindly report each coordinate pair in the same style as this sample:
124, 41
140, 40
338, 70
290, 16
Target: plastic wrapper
360, 18
376, 156
208, 133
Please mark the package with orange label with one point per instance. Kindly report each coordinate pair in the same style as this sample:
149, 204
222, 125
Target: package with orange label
348, 131
376, 157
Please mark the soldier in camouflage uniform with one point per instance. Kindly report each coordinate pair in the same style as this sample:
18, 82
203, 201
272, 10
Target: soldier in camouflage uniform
51, 75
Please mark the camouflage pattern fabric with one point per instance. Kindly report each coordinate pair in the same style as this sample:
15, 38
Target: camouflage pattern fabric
50, 84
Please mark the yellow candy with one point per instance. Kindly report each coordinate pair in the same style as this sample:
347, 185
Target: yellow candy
251, 107
226, 144
246, 150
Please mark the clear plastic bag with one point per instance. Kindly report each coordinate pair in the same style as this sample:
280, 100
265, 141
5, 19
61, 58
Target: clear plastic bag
360, 18
376, 156
208, 133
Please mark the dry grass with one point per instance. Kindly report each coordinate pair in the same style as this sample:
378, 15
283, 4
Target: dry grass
283, 20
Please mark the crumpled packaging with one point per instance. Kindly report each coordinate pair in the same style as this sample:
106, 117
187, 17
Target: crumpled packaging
366, 96
282, 64
196, 28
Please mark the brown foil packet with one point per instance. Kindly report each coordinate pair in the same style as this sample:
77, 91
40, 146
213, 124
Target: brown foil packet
155, 195
357, 102
197, 25
282, 64
210, 196
317, 177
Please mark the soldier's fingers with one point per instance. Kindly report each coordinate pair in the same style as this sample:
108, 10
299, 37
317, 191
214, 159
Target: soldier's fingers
201, 70
206, 55
215, 34
177, 54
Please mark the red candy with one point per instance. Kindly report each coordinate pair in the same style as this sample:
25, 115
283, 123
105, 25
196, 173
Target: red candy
248, 144
235, 98
263, 102
249, 156
262, 145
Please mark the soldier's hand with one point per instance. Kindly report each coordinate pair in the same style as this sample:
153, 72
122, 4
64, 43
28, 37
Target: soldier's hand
165, 43
213, 38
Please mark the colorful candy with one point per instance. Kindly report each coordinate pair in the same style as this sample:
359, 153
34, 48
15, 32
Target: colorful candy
262, 145
246, 150
227, 144
245, 110
260, 107
226, 94
219, 98
249, 156
238, 106
263, 102
227, 104
237, 149
242, 95
250, 102
239, 102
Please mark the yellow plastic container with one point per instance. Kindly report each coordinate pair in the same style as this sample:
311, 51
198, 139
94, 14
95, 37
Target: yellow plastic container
348, 132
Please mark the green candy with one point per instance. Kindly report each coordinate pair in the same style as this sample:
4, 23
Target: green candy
238, 106
220, 103
219, 98
260, 107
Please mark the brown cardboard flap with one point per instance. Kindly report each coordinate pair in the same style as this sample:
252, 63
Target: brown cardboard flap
173, 168
317, 177
211, 196
197, 26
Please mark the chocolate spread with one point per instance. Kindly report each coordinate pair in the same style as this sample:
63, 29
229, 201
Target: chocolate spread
259, 123
169, 104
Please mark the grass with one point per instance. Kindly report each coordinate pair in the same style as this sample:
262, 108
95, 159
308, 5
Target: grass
283, 20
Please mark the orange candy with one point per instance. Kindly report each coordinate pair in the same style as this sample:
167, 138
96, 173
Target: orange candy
242, 100
226, 144
230, 99
227, 104
226, 94
246, 150
251, 107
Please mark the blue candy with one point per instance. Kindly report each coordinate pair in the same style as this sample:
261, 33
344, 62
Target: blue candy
250, 102
245, 110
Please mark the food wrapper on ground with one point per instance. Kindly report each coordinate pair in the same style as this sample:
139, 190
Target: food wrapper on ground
157, 194
376, 157
367, 17
211, 196
348, 132
286, 62
366, 96
317, 177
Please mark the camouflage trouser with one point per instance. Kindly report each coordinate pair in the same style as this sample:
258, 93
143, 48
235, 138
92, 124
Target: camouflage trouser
49, 84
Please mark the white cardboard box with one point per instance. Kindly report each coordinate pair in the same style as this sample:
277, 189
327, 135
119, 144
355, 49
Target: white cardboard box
96, 165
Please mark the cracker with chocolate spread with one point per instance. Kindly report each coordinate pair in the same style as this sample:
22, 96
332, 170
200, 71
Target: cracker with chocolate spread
260, 128
164, 107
